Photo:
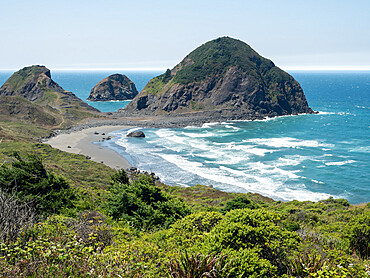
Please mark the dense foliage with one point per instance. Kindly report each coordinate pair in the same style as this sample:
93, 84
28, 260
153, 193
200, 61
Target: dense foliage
146, 229
216, 56
47, 192
143, 204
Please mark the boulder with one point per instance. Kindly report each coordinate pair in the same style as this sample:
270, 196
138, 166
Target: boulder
136, 134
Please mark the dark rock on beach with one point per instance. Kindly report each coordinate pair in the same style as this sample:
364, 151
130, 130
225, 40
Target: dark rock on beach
113, 87
136, 134
224, 79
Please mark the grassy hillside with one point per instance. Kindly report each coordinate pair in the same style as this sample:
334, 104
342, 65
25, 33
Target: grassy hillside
130, 226
32, 101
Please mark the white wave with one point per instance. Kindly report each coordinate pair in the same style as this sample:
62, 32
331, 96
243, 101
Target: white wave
251, 149
132, 130
232, 127
291, 161
326, 113
271, 170
340, 163
287, 142
316, 181
364, 149
207, 125
198, 135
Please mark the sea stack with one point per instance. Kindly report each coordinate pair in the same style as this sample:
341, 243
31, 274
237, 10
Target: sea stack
224, 79
113, 87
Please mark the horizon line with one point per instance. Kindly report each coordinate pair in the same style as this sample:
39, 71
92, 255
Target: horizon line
286, 68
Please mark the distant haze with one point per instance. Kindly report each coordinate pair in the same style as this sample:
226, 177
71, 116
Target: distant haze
112, 34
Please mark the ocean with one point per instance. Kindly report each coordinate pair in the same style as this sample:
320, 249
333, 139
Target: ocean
304, 157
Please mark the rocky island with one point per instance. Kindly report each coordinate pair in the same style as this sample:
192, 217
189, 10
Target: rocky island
113, 87
224, 79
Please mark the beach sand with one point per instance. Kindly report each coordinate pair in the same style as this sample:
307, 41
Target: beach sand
81, 142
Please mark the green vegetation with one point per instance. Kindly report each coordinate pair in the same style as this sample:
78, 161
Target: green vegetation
138, 228
210, 62
154, 86
20, 77
215, 57
47, 192
143, 204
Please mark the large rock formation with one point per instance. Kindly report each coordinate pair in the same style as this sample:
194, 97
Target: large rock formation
113, 87
223, 79
31, 96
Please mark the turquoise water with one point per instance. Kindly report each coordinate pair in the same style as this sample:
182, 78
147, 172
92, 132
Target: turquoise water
305, 157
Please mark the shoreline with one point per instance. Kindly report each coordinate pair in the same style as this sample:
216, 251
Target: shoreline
81, 141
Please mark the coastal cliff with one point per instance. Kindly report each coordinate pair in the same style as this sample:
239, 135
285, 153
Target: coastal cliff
224, 79
113, 87
32, 102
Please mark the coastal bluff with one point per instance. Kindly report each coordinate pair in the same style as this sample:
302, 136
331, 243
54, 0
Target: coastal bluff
114, 87
224, 79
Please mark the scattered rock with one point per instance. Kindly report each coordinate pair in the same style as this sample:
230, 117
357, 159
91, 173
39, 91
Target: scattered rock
138, 133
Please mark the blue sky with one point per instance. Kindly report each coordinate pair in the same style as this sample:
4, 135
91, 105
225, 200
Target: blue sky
78, 34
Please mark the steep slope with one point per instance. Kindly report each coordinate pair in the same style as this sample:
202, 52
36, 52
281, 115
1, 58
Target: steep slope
114, 87
222, 79
31, 100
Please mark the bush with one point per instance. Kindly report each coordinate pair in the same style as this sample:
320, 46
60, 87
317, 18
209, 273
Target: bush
358, 233
92, 229
143, 204
198, 266
240, 202
15, 217
33, 183
254, 229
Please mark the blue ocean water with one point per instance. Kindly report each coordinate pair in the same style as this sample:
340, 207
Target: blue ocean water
305, 157
81, 83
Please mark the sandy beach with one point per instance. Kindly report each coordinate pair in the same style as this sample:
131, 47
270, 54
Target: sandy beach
81, 142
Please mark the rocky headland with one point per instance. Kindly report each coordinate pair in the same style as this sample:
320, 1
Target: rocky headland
36, 103
224, 79
113, 87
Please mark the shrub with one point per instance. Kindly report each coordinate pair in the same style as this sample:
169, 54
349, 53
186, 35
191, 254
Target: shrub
92, 230
358, 233
240, 202
15, 217
33, 183
198, 266
143, 204
254, 229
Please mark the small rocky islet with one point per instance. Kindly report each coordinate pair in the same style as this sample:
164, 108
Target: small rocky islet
114, 87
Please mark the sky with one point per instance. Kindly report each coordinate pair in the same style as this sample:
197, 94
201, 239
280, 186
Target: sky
141, 34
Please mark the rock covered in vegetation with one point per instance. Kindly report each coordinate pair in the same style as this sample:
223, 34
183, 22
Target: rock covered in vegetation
138, 133
222, 79
30, 95
114, 87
